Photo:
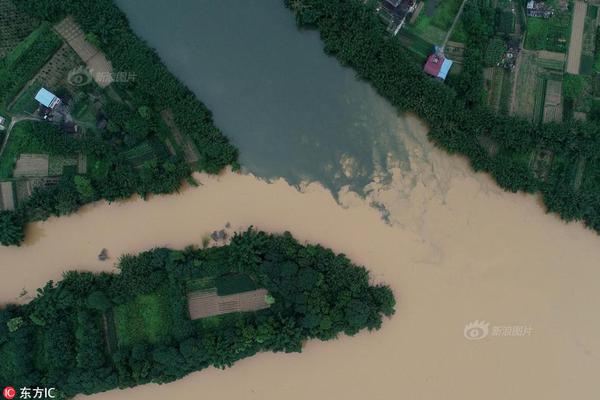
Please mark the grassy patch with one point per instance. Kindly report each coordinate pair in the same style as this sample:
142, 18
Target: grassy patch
26, 103
145, 319
537, 34
550, 34
141, 153
444, 13
200, 284
21, 141
417, 45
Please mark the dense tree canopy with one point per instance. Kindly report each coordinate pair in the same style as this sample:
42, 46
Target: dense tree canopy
65, 338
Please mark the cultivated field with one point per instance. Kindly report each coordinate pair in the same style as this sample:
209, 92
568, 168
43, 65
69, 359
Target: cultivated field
207, 303
574, 59
553, 101
90, 54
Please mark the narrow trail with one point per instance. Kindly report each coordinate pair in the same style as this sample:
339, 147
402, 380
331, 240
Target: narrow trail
458, 14
14, 121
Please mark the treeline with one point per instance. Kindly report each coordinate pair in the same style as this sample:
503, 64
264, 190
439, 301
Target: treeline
110, 176
459, 120
62, 338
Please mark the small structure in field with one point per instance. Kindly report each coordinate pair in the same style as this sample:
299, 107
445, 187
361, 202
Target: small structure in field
47, 99
398, 11
539, 9
437, 64
2, 122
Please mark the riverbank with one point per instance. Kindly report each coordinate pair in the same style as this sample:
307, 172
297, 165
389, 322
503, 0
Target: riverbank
458, 249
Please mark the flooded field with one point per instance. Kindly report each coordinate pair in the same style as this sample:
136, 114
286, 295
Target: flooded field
456, 250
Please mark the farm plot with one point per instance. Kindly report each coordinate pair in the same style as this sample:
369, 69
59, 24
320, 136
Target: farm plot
145, 152
435, 20
553, 101
7, 201
57, 164
499, 88
550, 34
419, 47
145, 319
31, 165
94, 59
534, 72
190, 152
208, 303
588, 47
575, 45
55, 72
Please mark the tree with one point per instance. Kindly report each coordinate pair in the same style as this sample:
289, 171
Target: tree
12, 229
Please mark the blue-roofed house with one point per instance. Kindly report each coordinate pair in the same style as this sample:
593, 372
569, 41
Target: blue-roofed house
47, 98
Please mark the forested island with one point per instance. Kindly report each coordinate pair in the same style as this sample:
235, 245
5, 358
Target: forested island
460, 122
168, 313
144, 133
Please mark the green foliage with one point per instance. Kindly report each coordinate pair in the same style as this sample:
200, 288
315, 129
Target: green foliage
146, 319
495, 50
128, 157
313, 293
573, 86
14, 324
456, 113
234, 283
19, 66
84, 188
12, 228
99, 301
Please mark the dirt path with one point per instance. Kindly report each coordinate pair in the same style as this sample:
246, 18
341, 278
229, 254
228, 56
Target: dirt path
515, 76
458, 14
576, 37
14, 121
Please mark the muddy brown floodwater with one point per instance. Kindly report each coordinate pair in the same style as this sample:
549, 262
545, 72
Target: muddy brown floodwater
456, 249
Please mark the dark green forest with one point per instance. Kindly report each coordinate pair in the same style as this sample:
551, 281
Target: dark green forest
153, 90
79, 335
504, 146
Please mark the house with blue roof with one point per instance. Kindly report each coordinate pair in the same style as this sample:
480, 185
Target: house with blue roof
47, 98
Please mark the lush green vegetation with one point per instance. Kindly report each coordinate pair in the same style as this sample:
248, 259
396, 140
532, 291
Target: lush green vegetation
153, 83
459, 121
24, 61
132, 153
550, 34
65, 337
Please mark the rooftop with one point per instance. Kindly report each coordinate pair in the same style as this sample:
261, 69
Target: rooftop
437, 64
47, 98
